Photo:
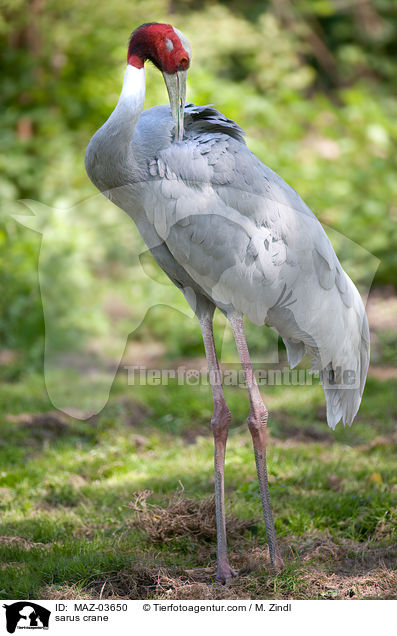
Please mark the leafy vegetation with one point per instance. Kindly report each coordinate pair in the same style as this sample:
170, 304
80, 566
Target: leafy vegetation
313, 84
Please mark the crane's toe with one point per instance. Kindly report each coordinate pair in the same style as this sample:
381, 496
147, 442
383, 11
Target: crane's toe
278, 564
224, 573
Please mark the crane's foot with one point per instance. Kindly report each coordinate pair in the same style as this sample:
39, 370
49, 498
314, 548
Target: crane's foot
278, 563
224, 573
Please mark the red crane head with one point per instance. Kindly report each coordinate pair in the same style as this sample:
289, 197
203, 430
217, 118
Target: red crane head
162, 44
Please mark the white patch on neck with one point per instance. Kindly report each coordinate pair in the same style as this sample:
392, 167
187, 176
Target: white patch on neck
134, 84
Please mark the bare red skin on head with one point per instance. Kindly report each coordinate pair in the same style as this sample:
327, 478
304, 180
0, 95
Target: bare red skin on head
148, 42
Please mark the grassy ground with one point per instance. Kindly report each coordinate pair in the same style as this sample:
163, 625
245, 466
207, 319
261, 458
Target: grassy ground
121, 505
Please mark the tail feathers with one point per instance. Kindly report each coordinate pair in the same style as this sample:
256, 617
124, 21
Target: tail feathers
295, 351
343, 402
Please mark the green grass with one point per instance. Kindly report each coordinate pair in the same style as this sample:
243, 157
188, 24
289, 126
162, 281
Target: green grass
65, 486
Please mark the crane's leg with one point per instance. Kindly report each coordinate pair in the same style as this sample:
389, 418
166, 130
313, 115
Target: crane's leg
220, 426
257, 421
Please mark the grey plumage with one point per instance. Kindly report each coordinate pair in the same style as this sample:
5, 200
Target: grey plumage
230, 232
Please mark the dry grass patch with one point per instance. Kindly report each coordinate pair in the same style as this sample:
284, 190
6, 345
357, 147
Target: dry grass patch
316, 568
66, 592
182, 517
380, 583
346, 555
21, 543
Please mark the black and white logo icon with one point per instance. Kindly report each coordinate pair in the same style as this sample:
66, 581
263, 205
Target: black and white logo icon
26, 615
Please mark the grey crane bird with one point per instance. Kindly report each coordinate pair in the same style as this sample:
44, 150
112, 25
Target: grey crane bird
230, 233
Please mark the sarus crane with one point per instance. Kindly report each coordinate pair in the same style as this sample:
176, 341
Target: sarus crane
229, 233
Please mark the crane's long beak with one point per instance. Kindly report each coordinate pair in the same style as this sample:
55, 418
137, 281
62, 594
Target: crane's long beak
176, 87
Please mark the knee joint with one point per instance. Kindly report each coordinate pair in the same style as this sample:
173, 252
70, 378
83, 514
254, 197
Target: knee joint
257, 420
221, 420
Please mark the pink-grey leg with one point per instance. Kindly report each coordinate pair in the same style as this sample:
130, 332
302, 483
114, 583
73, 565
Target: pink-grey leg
257, 421
220, 426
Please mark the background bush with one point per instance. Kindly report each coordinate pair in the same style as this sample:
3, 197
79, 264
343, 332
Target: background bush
312, 83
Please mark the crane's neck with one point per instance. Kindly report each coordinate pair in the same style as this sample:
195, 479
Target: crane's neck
109, 153
125, 116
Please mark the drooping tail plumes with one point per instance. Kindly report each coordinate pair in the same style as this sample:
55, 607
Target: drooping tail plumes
340, 353
344, 387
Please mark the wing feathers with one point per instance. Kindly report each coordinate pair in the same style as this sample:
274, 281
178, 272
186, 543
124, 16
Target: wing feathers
252, 245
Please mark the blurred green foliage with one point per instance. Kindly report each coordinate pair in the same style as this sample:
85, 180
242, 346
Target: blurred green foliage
312, 83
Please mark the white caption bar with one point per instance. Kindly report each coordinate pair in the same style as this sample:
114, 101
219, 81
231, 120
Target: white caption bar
190, 617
